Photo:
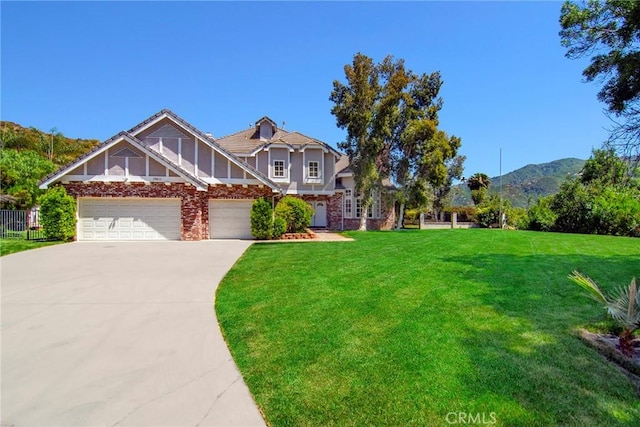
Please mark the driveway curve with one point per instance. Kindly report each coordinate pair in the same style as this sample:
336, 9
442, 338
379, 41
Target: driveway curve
119, 334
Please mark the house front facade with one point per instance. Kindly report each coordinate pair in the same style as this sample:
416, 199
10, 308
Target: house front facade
166, 180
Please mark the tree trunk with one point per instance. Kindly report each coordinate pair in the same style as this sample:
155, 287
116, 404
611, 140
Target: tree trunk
363, 215
363, 222
400, 217
625, 341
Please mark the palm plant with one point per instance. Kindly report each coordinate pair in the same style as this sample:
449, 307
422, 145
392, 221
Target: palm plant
478, 180
479, 184
623, 305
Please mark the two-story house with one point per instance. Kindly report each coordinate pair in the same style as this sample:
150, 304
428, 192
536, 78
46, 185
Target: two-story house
165, 179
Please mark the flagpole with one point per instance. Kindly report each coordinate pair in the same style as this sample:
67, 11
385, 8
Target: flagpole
500, 212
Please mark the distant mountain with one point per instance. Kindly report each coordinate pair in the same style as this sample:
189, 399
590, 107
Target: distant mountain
55, 146
526, 185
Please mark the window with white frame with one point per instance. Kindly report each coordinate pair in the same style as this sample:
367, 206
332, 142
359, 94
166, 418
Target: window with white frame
314, 170
278, 169
374, 210
377, 207
348, 203
358, 207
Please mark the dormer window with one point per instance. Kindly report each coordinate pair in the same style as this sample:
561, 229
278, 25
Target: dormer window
265, 131
266, 128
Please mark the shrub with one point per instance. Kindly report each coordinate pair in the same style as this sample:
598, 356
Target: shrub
487, 216
488, 213
412, 216
279, 227
58, 214
616, 212
478, 196
540, 215
261, 219
518, 218
572, 205
295, 212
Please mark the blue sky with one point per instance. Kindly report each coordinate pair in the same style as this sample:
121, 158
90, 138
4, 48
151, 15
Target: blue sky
92, 69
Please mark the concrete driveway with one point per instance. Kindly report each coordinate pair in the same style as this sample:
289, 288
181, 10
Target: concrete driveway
119, 334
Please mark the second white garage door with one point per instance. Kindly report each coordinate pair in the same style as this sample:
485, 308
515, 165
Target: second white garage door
230, 219
128, 219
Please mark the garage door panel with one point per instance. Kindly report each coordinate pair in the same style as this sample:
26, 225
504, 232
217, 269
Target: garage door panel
129, 219
230, 219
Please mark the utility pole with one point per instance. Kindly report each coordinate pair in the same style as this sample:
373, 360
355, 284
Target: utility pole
51, 144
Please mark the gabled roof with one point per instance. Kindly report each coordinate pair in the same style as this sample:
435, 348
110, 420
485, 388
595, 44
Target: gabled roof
344, 170
207, 140
125, 136
267, 119
130, 136
248, 142
342, 166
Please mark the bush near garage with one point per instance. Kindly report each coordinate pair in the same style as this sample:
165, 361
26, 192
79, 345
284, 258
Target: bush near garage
58, 214
261, 219
295, 212
279, 227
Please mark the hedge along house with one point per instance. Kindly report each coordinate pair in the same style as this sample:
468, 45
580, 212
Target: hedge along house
166, 180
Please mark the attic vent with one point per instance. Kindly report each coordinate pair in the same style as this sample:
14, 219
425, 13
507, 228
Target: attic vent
126, 152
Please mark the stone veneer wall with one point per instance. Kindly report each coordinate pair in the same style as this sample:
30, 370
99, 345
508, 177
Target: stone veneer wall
195, 204
385, 223
334, 215
334, 208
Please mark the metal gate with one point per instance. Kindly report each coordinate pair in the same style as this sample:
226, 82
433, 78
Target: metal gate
24, 225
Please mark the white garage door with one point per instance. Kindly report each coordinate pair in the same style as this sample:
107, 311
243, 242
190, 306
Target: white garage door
230, 219
128, 219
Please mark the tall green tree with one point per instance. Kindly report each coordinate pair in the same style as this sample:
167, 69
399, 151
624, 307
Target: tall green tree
604, 167
358, 109
609, 31
421, 152
455, 169
479, 184
20, 173
605, 199
391, 118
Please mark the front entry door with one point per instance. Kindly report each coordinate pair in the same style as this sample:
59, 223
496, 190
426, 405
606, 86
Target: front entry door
319, 218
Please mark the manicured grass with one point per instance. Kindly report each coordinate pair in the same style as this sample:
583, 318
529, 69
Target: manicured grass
10, 246
404, 328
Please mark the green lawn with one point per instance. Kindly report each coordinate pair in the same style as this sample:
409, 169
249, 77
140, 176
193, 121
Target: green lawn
10, 246
405, 328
